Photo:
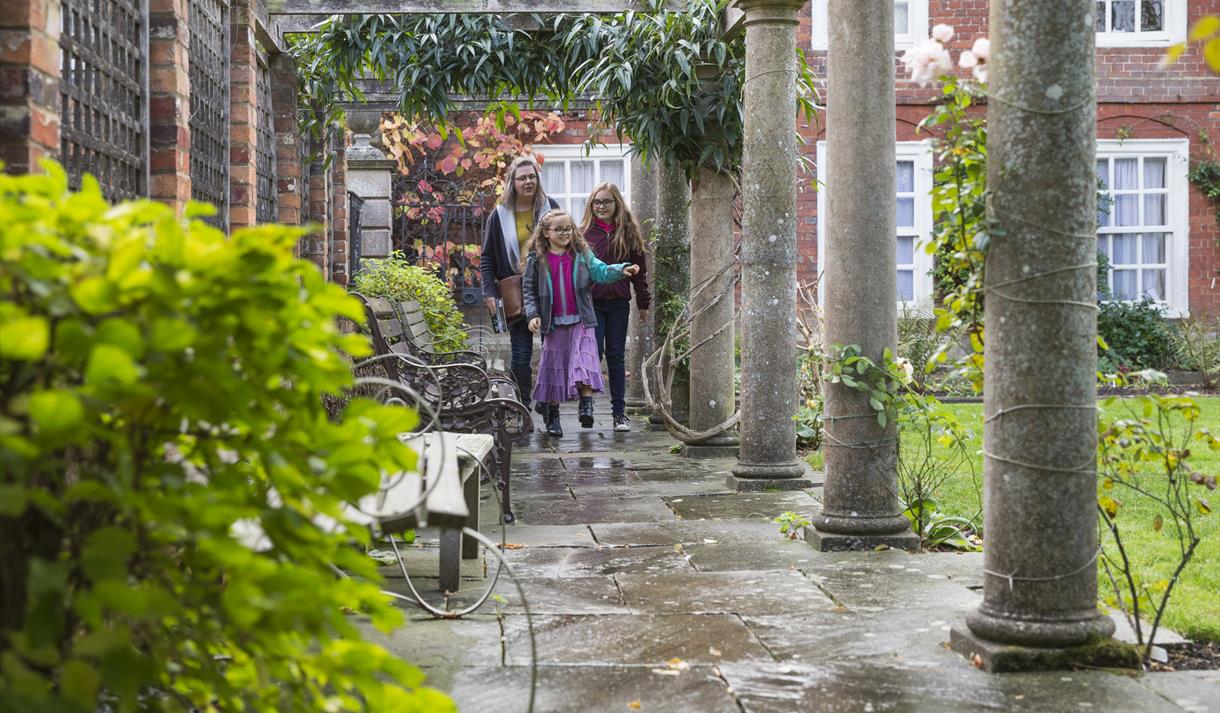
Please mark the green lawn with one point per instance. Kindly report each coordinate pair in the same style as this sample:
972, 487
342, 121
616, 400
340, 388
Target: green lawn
1194, 609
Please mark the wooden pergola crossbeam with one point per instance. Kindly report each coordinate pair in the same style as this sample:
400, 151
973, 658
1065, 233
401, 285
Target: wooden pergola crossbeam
487, 7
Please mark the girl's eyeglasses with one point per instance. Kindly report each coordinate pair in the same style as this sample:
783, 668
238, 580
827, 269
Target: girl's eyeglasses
603, 202
564, 230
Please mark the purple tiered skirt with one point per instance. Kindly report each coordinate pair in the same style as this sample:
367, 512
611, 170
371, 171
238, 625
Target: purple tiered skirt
569, 357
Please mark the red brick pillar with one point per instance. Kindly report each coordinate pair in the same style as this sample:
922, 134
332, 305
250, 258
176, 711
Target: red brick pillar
169, 106
287, 139
243, 116
319, 206
29, 83
341, 272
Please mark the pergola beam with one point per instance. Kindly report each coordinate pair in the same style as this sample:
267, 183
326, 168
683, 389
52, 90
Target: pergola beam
489, 7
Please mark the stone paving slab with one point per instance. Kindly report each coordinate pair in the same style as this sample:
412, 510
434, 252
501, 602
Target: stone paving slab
875, 580
1193, 691
955, 687
554, 595
650, 640
588, 689
580, 562
543, 535
473, 641
685, 532
655, 483
566, 511
743, 506
905, 637
746, 592
779, 554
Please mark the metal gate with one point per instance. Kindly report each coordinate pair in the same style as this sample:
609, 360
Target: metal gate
439, 224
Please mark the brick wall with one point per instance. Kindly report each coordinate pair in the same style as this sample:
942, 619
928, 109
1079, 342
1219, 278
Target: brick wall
340, 245
29, 82
243, 115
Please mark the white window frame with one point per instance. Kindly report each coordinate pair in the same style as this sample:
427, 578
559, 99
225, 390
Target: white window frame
1174, 22
1177, 210
915, 32
560, 156
921, 153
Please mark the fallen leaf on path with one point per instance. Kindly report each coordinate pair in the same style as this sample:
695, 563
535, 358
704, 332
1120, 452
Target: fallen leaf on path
713, 651
511, 546
635, 705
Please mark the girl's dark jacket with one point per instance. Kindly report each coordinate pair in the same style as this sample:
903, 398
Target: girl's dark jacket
539, 289
501, 253
599, 240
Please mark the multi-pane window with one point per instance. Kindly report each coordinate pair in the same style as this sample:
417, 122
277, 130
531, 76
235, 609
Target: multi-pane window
568, 175
1141, 220
910, 23
1122, 23
913, 219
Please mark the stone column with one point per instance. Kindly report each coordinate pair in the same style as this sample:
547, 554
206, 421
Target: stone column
1040, 437
860, 506
670, 260
640, 335
368, 176
767, 458
712, 300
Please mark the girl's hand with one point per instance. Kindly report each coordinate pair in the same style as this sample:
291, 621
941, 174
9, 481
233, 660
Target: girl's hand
630, 270
535, 324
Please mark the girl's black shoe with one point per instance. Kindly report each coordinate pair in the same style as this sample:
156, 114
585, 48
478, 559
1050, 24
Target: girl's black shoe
586, 411
552, 421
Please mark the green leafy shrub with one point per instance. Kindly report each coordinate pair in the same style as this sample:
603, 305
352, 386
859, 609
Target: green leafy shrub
395, 279
161, 383
1136, 335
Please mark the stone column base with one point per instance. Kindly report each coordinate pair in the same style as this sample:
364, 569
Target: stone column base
709, 450
995, 657
835, 542
772, 477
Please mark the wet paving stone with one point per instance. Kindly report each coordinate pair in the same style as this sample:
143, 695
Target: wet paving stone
592, 510
473, 641
750, 592
1192, 691
904, 637
553, 595
874, 580
685, 532
522, 535
778, 553
954, 687
650, 640
589, 689
579, 562
743, 506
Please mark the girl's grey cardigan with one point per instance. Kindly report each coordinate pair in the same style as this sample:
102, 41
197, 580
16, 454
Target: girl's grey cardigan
539, 289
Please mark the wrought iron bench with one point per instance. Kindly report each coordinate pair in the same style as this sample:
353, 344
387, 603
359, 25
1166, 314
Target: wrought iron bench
467, 398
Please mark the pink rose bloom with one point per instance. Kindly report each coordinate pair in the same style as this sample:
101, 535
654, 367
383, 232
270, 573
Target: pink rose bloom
942, 33
927, 61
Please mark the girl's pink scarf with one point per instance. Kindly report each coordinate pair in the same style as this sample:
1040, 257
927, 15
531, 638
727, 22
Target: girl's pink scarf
608, 227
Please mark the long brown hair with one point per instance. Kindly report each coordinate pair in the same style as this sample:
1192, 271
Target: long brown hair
627, 237
539, 244
508, 198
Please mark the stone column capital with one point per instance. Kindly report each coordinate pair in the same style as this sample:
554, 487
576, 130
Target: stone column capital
770, 11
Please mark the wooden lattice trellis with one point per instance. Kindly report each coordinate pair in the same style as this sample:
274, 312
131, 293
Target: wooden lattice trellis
267, 195
209, 73
103, 95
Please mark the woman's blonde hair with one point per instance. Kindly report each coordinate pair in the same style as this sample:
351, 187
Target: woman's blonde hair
508, 197
539, 244
627, 237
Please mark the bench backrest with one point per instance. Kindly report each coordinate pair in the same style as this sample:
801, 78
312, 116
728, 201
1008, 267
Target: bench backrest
417, 331
385, 330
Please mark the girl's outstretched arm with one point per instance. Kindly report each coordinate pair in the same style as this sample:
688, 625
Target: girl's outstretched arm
605, 274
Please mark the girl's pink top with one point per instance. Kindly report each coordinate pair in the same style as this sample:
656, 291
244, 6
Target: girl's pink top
564, 302
608, 227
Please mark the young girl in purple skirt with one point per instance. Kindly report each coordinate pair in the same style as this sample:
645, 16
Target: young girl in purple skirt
557, 283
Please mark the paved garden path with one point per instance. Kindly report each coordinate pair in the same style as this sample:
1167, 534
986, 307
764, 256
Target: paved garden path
654, 588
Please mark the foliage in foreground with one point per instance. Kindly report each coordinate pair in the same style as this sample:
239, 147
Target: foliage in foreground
160, 384
398, 280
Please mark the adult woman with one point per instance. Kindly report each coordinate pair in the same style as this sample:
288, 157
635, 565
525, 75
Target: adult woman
615, 237
521, 204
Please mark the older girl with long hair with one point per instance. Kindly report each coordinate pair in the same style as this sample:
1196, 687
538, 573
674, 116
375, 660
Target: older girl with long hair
509, 226
614, 236
559, 273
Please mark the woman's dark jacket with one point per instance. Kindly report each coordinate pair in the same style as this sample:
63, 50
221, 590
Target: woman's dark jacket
539, 289
501, 252
600, 241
